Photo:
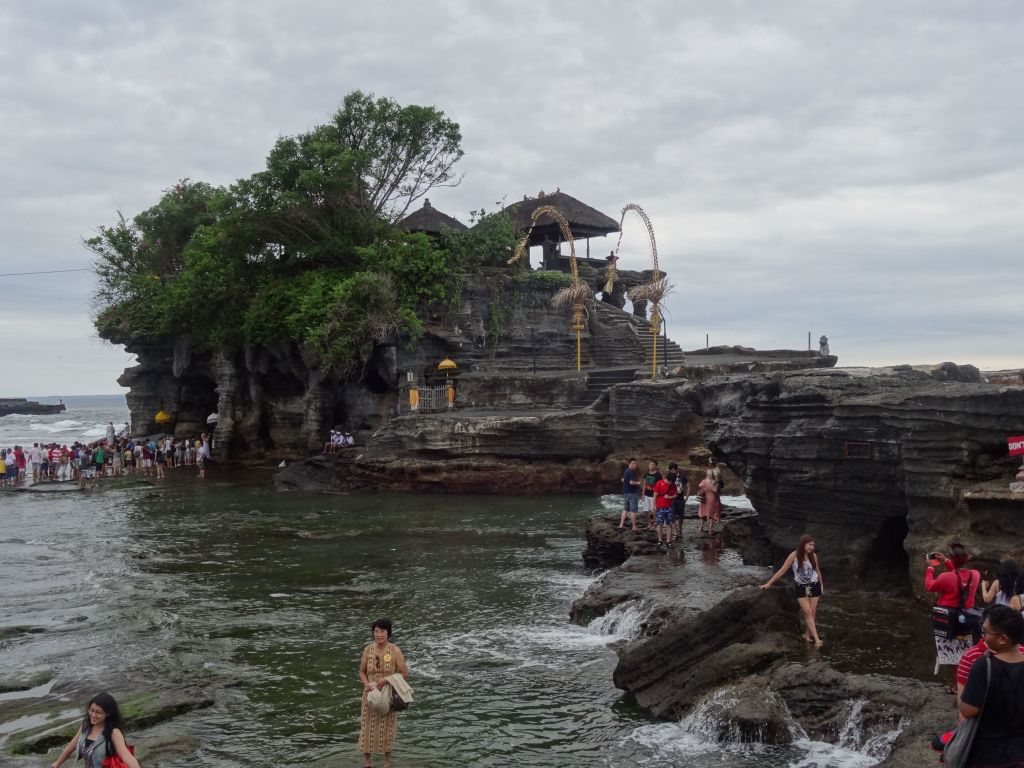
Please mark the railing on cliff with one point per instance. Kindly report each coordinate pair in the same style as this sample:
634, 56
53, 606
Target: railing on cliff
431, 399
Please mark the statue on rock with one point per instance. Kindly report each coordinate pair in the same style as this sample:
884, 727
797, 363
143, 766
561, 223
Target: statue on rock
823, 346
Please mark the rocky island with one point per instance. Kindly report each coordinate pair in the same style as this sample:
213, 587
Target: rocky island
16, 405
285, 310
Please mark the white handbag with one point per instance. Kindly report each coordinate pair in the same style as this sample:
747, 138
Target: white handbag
379, 700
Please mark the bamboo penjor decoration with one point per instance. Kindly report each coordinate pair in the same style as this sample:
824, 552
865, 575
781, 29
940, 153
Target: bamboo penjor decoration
578, 295
654, 291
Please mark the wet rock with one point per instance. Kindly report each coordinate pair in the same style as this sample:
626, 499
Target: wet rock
49, 723
746, 535
748, 711
815, 695
607, 546
317, 473
742, 635
25, 680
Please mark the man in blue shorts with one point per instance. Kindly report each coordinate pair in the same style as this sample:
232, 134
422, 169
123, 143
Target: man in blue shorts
665, 491
631, 483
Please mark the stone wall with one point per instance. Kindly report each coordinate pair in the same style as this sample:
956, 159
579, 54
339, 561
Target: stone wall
880, 465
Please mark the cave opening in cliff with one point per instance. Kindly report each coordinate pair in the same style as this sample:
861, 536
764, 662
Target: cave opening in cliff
375, 382
887, 559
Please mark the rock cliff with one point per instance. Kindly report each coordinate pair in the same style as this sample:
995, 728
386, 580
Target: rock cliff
880, 465
725, 657
270, 400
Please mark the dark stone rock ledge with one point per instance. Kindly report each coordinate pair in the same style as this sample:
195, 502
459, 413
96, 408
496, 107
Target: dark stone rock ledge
715, 642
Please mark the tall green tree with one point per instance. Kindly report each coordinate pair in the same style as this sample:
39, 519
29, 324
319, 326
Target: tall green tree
233, 265
399, 153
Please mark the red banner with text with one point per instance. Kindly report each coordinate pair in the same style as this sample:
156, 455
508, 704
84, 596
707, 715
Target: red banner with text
1016, 445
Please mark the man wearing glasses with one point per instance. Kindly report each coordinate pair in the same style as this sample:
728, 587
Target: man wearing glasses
1000, 705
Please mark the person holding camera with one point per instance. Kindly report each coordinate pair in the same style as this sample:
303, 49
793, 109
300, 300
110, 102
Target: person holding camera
956, 588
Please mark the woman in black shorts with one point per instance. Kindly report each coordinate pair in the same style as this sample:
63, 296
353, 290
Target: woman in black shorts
807, 583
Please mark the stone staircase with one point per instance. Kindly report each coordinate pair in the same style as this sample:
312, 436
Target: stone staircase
599, 380
670, 354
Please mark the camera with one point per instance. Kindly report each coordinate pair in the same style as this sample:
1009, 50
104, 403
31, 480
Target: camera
940, 556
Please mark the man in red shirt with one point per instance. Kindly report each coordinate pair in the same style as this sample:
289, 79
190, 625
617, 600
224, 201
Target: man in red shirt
54, 460
665, 490
19, 458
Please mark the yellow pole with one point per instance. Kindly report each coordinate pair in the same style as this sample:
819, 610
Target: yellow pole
654, 357
578, 343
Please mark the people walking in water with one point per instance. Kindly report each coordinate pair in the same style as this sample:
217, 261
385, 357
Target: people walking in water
380, 659
631, 483
709, 494
1001, 589
807, 583
99, 736
956, 588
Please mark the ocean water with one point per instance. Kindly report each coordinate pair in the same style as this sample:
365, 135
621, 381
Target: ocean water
85, 419
267, 599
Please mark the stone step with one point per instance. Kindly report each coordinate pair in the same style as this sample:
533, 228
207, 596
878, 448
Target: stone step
600, 380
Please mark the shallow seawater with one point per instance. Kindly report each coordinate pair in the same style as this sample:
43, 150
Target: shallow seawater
268, 598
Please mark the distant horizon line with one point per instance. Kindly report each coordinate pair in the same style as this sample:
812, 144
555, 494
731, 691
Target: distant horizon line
60, 397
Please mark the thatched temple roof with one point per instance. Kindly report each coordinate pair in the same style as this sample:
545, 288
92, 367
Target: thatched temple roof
429, 220
584, 221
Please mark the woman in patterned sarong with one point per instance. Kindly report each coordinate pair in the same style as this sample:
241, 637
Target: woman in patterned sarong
380, 659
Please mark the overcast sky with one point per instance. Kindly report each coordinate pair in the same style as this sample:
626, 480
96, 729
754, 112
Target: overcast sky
847, 168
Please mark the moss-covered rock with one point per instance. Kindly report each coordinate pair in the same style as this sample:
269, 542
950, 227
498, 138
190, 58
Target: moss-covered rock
35, 726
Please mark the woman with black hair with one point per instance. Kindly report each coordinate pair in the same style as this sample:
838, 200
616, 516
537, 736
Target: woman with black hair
956, 587
99, 736
999, 742
1001, 589
807, 582
1017, 601
380, 659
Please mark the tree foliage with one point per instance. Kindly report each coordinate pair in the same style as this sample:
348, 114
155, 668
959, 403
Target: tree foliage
302, 251
398, 153
489, 242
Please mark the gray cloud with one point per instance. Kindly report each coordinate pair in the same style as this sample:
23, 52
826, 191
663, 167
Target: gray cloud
850, 168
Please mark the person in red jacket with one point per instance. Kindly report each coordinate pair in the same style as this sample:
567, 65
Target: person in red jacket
665, 491
956, 588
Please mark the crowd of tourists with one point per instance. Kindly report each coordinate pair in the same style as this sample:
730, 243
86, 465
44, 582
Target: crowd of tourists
984, 646
114, 456
659, 500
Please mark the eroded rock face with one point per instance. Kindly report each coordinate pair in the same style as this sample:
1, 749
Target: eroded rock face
725, 659
275, 401
692, 656
861, 458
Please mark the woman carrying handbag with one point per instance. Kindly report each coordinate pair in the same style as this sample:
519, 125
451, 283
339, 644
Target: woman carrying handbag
377, 729
100, 738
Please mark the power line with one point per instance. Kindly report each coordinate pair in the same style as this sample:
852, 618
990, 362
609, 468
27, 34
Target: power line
45, 272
